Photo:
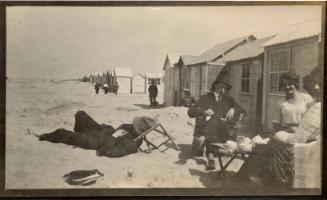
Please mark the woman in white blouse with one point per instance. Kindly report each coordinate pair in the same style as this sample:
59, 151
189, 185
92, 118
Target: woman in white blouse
309, 124
294, 105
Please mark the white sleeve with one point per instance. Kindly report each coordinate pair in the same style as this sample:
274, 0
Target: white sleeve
307, 98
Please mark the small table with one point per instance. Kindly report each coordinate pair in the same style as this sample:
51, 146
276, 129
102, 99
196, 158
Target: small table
223, 151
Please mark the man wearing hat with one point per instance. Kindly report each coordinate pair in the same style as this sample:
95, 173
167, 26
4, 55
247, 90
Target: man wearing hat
153, 93
215, 113
115, 88
188, 99
97, 87
106, 140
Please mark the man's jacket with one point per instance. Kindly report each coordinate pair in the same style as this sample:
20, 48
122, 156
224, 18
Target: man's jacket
153, 90
220, 109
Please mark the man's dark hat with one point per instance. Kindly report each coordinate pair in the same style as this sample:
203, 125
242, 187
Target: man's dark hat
141, 124
83, 177
227, 86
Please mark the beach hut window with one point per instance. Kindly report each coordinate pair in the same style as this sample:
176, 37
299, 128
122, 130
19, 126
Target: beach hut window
279, 64
156, 81
245, 82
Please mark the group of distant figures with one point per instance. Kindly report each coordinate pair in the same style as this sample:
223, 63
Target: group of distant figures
153, 91
106, 89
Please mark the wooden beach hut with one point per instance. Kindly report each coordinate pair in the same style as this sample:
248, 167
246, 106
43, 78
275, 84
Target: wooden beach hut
123, 76
243, 68
296, 49
138, 83
171, 80
197, 73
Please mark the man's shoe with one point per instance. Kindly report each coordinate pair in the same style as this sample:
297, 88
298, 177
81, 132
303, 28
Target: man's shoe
211, 165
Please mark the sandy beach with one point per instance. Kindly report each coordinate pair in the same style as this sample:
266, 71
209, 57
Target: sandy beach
44, 106
262, 56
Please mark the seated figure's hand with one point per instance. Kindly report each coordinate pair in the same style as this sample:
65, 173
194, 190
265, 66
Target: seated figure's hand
209, 112
230, 114
241, 116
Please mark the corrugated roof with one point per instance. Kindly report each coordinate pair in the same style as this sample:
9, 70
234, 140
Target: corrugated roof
298, 31
123, 72
222, 48
247, 50
189, 60
215, 51
154, 75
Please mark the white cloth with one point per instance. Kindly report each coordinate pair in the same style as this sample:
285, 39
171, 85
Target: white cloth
292, 110
309, 126
307, 157
307, 165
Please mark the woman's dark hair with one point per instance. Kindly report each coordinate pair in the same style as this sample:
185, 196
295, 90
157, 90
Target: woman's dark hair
290, 78
314, 78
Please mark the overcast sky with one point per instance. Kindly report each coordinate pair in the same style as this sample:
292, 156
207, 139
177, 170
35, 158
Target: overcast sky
68, 42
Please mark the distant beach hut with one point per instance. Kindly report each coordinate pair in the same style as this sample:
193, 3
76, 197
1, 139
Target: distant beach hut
138, 83
90, 78
96, 77
111, 78
123, 76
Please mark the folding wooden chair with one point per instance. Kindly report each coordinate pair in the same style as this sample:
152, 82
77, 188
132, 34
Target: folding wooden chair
155, 128
222, 151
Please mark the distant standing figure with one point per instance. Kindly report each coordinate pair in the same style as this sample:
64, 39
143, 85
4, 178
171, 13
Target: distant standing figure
105, 88
115, 88
153, 92
188, 99
97, 87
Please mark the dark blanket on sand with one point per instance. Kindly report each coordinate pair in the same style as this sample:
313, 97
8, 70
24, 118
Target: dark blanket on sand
88, 134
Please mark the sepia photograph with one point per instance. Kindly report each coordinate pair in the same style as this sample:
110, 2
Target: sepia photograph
219, 97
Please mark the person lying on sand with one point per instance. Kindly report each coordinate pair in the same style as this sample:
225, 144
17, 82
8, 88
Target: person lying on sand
106, 140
